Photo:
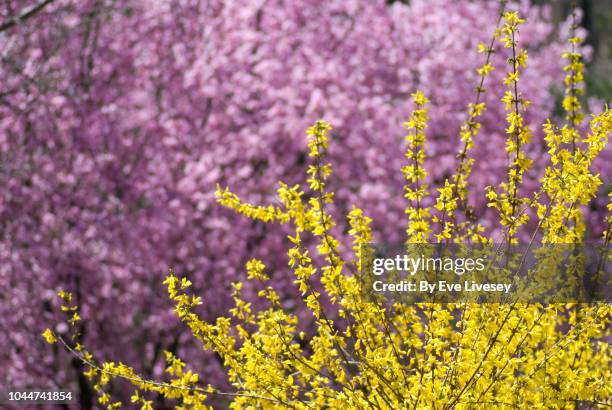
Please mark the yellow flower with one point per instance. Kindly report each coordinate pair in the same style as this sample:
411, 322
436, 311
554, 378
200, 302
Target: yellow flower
49, 336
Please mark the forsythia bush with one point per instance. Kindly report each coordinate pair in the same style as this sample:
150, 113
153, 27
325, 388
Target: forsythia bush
438, 356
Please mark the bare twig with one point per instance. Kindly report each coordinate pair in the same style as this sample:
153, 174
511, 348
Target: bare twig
13, 21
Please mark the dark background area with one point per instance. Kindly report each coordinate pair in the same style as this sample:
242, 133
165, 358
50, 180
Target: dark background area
597, 20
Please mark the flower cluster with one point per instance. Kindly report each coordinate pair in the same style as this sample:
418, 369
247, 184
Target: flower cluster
119, 118
363, 354
415, 173
508, 203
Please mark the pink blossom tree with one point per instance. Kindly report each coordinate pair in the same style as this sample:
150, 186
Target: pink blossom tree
117, 119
